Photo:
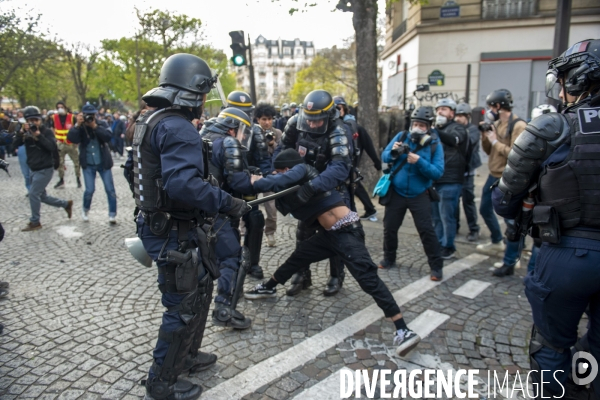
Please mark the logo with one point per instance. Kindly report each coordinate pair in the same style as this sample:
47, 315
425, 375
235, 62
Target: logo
309, 105
584, 368
243, 98
302, 151
589, 120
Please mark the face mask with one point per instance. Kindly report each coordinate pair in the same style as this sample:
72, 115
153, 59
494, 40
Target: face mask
61, 111
417, 132
440, 120
492, 116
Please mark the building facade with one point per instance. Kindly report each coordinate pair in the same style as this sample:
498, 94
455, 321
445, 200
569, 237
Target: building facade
276, 63
464, 49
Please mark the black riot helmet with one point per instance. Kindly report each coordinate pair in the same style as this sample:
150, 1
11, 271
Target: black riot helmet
184, 80
234, 118
31, 112
317, 112
578, 69
241, 101
503, 97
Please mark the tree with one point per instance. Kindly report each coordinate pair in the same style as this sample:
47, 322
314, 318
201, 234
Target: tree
81, 60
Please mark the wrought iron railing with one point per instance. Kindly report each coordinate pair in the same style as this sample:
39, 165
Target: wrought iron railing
503, 9
399, 31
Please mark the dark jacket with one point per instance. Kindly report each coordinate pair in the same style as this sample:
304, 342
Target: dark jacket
81, 135
365, 145
474, 139
455, 141
118, 128
414, 179
42, 152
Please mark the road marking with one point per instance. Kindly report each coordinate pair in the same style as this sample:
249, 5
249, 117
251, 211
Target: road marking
272, 368
471, 289
329, 388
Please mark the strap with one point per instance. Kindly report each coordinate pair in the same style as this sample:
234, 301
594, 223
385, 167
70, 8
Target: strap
594, 235
587, 139
588, 155
511, 126
399, 166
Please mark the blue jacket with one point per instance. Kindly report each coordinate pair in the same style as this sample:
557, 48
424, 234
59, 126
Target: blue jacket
79, 135
414, 179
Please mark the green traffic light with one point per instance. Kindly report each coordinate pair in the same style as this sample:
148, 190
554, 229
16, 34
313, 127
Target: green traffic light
238, 60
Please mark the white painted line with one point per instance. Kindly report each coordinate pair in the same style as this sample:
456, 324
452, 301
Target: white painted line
471, 289
427, 322
327, 389
68, 231
272, 368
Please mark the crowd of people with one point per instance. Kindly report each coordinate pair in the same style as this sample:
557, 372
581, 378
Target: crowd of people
196, 183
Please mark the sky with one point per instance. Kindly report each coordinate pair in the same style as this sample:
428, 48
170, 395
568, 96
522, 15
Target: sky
76, 21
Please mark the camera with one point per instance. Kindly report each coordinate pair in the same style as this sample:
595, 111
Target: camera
89, 117
403, 149
269, 136
485, 127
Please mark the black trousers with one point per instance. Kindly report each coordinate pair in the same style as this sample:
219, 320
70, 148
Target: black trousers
364, 198
348, 244
468, 201
420, 208
305, 232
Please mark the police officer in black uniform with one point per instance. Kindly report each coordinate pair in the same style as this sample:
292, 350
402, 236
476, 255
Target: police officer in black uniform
556, 162
229, 166
318, 134
174, 197
259, 161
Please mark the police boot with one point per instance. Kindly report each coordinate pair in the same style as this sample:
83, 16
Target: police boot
200, 362
256, 271
504, 270
171, 390
301, 280
224, 315
334, 284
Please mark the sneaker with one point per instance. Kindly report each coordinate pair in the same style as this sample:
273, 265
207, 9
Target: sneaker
436, 275
383, 264
500, 264
260, 292
84, 215
69, 208
373, 218
271, 241
406, 340
32, 226
60, 183
473, 236
78, 183
369, 215
491, 248
448, 253
112, 220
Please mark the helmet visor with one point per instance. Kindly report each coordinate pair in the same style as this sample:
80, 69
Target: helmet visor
312, 123
553, 86
244, 136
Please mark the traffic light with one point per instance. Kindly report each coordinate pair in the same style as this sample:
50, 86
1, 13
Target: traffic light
239, 48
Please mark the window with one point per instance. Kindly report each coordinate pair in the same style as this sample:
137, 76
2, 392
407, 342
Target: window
309, 52
503, 9
287, 51
299, 50
275, 92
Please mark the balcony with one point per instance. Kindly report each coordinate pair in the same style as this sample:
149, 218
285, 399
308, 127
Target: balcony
399, 31
505, 9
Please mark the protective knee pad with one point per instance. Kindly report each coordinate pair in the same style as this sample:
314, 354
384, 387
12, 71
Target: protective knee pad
179, 341
238, 284
202, 317
255, 224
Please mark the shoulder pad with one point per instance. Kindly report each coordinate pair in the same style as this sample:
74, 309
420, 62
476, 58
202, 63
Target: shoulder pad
231, 142
338, 137
550, 126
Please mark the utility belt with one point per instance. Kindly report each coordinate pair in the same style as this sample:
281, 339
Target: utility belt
546, 224
161, 222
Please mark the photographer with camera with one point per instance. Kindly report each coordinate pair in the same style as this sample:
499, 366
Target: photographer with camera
417, 160
264, 114
94, 156
497, 139
42, 158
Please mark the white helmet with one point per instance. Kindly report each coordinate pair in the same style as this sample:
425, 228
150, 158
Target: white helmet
542, 109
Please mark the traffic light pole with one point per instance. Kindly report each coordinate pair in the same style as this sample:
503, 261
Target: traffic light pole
251, 72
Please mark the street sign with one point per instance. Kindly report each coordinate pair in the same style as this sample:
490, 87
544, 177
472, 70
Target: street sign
436, 78
450, 9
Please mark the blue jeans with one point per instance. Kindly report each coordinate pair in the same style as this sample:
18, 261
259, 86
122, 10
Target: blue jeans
443, 213
37, 195
486, 210
89, 177
22, 154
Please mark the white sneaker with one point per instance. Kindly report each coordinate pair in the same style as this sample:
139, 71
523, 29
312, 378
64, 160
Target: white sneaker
500, 263
84, 215
373, 218
112, 220
491, 248
271, 242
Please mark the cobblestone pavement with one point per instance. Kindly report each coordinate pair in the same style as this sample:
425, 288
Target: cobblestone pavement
82, 316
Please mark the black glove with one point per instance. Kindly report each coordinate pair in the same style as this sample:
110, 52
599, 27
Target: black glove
238, 208
306, 192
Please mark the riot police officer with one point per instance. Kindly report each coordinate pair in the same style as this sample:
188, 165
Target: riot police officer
556, 162
174, 198
229, 167
318, 134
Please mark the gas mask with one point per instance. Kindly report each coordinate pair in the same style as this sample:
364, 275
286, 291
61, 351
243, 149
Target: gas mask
62, 111
440, 120
492, 116
420, 137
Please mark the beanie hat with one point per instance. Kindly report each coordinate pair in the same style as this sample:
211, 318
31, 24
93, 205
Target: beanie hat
60, 102
287, 159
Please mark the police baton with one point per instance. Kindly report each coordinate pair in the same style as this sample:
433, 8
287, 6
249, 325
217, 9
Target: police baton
274, 196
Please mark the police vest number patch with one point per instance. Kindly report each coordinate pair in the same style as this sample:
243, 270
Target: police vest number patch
589, 120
